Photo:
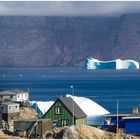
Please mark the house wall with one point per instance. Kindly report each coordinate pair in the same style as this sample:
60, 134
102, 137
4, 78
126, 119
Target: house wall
10, 117
114, 121
64, 116
81, 121
41, 128
20, 97
12, 108
132, 126
17, 97
46, 126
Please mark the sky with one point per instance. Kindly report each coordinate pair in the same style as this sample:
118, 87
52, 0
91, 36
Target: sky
69, 8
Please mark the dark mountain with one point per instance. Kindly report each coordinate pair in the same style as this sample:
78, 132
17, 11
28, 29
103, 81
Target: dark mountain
66, 41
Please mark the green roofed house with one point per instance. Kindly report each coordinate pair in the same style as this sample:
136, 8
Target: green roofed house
65, 111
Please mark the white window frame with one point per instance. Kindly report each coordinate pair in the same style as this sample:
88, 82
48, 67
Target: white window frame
58, 110
65, 122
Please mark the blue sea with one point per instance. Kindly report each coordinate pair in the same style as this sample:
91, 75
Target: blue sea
103, 86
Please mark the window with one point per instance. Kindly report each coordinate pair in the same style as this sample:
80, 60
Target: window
2, 107
58, 110
16, 106
9, 107
54, 123
11, 96
65, 122
1, 96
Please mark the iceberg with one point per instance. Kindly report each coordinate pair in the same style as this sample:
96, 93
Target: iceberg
90, 107
91, 63
41, 107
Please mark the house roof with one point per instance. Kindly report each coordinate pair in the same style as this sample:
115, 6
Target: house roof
11, 92
116, 115
69, 103
9, 103
32, 120
132, 116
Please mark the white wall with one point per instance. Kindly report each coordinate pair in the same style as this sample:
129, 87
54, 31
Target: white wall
19, 97
12, 108
22, 97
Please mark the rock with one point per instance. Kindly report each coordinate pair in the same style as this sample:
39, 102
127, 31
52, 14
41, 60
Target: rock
89, 132
27, 113
70, 133
1, 133
84, 132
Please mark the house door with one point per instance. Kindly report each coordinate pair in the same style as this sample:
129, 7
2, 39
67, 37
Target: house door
5, 117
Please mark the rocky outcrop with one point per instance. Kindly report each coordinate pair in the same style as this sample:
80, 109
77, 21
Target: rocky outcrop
27, 113
85, 132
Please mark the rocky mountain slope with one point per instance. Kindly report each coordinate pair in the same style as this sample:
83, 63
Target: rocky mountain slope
66, 41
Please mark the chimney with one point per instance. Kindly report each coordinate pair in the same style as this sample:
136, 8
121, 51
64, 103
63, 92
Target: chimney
135, 110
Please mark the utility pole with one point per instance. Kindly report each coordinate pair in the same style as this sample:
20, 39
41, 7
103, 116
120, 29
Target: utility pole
28, 90
117, 116
73, 101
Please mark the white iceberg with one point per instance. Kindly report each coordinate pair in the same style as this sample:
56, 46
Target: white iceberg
90, 107
41, 107
91, 63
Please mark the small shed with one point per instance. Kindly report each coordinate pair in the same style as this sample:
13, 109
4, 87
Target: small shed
33, 127
65, 112
132, 124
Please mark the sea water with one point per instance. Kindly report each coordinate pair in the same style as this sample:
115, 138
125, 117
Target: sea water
102, 86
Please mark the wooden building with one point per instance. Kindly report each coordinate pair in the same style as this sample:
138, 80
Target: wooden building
15, 95
9, 111
34, 128
65, 112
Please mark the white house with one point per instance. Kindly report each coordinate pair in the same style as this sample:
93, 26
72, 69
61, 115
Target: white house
15, 95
